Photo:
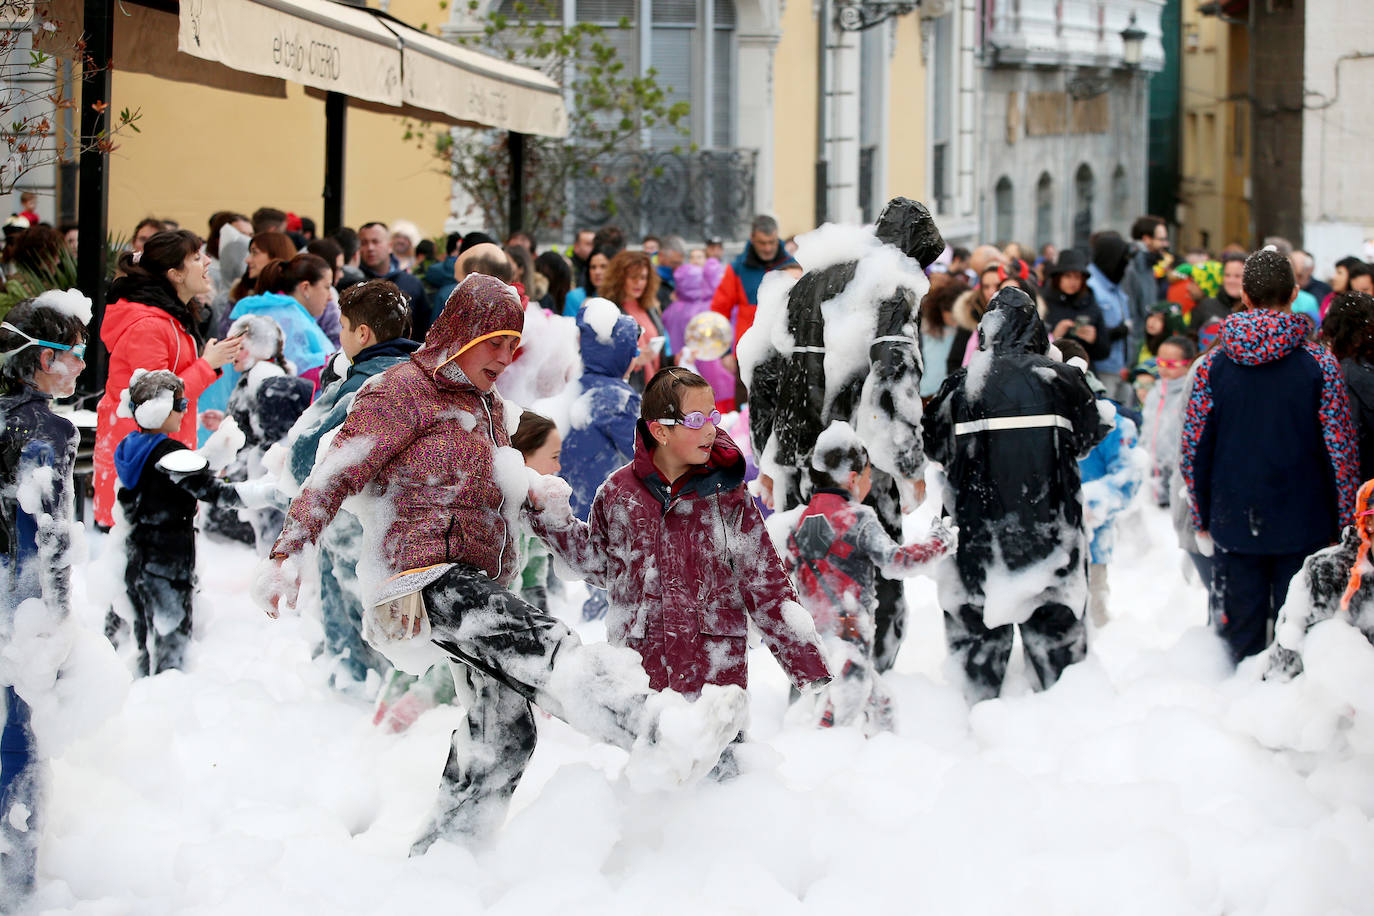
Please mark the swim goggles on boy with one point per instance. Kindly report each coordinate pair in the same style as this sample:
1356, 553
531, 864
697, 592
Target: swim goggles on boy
695, 420
78, 350
180, 405
1171, 363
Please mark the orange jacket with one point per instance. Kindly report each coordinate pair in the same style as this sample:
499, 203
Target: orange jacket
140, 336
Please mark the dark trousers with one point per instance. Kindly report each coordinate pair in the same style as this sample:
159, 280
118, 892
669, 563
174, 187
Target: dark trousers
510, 655
19, 774
889, 622
162, 613
1247, 591
1052, 637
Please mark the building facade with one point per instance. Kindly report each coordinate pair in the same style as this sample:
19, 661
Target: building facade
1041, 134
1214, 185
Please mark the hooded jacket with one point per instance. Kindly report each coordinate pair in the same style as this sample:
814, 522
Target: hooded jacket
794, 397
1269, 453
144, 329
686, 567
424, 439
737, 294
695, 285
160, 506
1009, 429
603, 417
331, 407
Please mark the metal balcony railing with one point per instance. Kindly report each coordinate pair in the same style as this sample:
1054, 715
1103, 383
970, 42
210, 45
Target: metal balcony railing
697, 195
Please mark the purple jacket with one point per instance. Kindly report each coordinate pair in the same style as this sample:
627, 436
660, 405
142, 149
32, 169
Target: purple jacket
693, 288
426, 442
687, 567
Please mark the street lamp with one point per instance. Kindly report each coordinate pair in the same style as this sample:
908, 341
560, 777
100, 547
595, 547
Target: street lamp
858, 15
1132, 44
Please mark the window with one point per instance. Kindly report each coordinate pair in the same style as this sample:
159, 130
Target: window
939, 70
1084, 186
694, 59
1044, 211
1006, 211
1121, 195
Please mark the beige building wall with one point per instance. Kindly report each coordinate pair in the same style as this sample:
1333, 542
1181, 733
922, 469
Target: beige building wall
907, 143
200, 150
1214, 184
794, 120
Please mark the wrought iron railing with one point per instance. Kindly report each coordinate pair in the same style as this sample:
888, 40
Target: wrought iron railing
697, 195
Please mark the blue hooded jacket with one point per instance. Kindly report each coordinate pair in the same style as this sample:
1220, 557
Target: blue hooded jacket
604, 415
132, 454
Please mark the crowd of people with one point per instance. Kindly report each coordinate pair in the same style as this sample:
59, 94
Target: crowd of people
712, 446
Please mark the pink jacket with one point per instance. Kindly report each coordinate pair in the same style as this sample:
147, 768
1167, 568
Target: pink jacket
687, 567
425, 442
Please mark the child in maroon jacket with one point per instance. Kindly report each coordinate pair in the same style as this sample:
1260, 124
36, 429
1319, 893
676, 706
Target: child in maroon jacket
834, 554
676, 540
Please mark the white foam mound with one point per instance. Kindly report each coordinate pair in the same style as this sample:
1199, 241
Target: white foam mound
601, 315
67, 301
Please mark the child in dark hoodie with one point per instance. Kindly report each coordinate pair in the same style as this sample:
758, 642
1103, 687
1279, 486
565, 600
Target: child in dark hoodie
160, 482
677, 541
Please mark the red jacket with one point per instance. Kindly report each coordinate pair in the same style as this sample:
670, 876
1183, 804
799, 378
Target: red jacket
428, 444
140, 336
686, 567
731, 301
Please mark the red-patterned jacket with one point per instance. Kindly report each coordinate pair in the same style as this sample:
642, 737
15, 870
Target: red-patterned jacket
686, 568
427, 444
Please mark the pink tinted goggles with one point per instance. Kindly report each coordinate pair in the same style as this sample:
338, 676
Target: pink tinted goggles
695, 420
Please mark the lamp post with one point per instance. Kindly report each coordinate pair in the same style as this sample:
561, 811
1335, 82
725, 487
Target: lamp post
1132, 44
858, 15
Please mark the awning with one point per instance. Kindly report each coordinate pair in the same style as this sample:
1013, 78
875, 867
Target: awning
333, 47
464, 84
313, 42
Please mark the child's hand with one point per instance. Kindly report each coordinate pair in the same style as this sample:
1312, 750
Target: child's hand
277, 585
547, 492
945, 533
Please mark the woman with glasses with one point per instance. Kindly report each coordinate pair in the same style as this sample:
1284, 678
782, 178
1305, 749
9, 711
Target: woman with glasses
153, 324
42, 350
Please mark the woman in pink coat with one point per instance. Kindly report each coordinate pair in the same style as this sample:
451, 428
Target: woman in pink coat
153, 325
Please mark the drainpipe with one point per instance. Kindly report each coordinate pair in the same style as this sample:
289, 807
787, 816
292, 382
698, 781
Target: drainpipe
822, 126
